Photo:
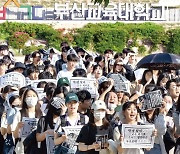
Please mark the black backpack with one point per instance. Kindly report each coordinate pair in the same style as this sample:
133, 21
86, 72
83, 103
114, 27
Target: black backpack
65, 123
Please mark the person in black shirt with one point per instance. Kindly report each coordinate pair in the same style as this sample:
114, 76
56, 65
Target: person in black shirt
36, 62
94, 136
63, 59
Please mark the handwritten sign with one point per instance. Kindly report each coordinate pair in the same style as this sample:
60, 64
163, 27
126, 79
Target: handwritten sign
50, 144
120, 82
151, 100
30, 124
34, 83
80, 83
72, 133
13, 78
137, 136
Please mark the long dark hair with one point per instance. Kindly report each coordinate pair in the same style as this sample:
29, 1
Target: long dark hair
143, 80
49, 116
24, 104
105, 125
115, 64
161, 76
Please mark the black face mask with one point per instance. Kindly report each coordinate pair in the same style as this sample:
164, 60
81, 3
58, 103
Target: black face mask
82, 56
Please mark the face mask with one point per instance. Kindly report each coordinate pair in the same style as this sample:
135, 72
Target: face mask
99, 115
111, 106
31, 101
168, 106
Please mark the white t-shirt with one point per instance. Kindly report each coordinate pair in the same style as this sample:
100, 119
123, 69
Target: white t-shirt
64, 73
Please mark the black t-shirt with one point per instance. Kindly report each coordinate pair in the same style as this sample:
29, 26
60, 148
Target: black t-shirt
87, 113
1, 106
59, 64
42, 127
90, 133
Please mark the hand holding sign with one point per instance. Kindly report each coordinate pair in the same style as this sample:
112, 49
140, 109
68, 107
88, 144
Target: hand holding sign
151, 100
96, 146
20, 124
49, 132
138, 136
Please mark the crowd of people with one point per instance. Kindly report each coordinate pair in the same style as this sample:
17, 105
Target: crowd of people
102, 114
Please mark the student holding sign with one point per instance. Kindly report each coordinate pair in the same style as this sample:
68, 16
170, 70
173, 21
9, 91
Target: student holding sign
130, 113
30, 109
71, 118
46, 124
158, 118
95, 136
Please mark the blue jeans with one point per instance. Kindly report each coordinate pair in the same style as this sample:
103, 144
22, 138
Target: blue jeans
155, 150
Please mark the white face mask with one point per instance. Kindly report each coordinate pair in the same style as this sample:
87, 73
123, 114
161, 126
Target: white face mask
111, 106
99, 115
31, 101
168, 106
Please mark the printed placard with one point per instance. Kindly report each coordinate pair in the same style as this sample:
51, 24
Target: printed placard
137, 136
101, 140
50, 144
14, 79
72, 133
80, 83
58, 102
30, 124
34, 83
151, 100
120, 82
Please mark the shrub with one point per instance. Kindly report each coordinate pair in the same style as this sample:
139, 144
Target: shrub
173, 45
18, 39
110, 39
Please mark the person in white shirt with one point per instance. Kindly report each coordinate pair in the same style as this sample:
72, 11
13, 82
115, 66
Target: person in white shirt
71, 64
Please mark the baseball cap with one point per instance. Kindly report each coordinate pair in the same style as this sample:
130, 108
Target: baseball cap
71, 97
63, 81
99, 104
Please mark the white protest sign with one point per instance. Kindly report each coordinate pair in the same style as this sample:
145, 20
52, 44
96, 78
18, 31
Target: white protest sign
137, 136
120, 82
40, 92
151, 100
80, 83
72, 133
50, 144
34, 83
13, 78
30, 124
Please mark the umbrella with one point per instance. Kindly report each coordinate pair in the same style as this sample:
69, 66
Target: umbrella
160, 61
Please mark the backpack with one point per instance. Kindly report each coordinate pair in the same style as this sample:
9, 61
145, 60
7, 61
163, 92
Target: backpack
30, 143
61, 149
65, 123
